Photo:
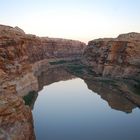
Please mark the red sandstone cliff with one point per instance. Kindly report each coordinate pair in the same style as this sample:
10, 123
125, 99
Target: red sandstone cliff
119, 58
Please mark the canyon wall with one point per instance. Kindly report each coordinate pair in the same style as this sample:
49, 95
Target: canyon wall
22, 58
115, 57
22, 55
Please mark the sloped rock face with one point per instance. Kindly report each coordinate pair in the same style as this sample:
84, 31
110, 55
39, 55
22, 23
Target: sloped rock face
117, 58
16, 121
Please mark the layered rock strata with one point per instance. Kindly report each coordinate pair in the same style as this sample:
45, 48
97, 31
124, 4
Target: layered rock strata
115, 57
16, 121
21, 55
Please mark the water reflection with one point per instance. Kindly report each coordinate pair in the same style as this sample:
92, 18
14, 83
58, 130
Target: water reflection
120, 95
53, 74
117, 99
74, 108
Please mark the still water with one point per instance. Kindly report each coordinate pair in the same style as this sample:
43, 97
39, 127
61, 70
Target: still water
70, 110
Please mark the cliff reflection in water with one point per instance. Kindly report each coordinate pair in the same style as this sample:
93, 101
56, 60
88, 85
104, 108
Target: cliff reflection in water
117, 99
120, 95
53, 74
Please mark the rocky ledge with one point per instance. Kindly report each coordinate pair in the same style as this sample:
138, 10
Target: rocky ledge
115, 57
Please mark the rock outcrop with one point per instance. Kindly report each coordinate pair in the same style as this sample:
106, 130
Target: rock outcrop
16, 121
115, 57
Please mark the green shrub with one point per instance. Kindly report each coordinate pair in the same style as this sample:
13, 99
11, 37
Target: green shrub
29, 98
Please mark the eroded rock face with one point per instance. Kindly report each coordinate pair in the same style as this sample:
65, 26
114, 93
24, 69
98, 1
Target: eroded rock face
119, 58
16, 121
21, 55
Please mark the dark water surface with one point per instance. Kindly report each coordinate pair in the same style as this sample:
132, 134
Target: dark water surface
76, 109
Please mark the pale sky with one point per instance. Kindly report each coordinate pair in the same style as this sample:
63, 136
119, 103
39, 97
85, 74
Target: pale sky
73, 19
